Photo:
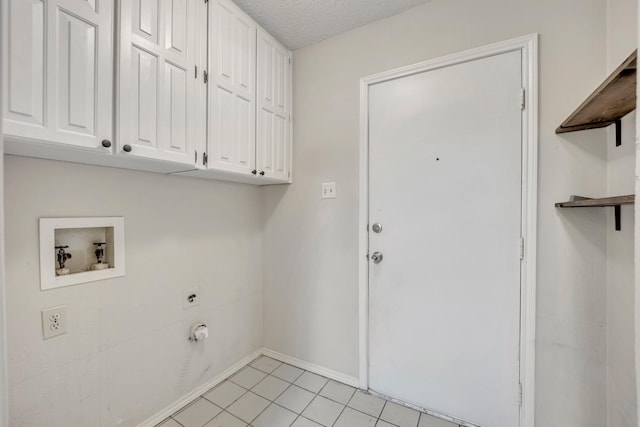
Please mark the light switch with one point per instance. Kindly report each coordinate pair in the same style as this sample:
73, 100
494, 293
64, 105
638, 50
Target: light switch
328, 190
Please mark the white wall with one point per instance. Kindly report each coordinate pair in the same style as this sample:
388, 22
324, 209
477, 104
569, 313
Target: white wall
621, 377
4, 419
126, 355
310, 246
637, 244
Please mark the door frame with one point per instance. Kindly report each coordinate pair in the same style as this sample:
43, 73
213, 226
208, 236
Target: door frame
528, 46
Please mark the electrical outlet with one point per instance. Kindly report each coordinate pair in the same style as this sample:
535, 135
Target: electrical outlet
190, 297
328, 190
54, 321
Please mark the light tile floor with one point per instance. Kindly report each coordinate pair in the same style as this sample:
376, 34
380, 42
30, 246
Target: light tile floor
269, 393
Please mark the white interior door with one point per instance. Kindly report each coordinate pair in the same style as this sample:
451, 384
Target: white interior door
445, 185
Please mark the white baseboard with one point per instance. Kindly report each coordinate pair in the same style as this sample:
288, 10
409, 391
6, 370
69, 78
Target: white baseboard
180, 403
311, 367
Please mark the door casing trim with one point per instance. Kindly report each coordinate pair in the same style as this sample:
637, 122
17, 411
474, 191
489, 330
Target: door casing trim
528, 46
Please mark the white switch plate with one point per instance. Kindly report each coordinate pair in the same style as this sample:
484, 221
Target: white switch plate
328, 190
190, 297
54, 321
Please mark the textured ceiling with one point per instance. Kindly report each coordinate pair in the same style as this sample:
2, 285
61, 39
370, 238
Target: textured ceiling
299, 23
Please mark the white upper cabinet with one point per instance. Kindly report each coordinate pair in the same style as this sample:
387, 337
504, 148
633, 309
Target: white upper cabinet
232, 89
158, 79
58, 68
273, 139
171, 86
249, 137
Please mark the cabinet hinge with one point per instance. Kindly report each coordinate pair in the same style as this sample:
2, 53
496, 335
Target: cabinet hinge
205, 159
196, 159
520, 394
205, 76
289, 60
206, 1
523, 98
521, 248
195, 76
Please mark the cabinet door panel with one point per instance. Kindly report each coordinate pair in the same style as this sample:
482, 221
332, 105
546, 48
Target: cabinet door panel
224, 125
176, 35
273, 139
175, 128
224, 29
265, 136
145, 102
245, 57
246, 137
266, 72
59, 66
280, 149
92, 4
76, 77
144, 22
24, 63
281, 65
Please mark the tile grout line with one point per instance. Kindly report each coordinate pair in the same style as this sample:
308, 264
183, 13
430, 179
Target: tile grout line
273, 401
305, 408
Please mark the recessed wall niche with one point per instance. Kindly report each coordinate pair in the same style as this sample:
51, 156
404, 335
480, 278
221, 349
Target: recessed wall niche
80, 250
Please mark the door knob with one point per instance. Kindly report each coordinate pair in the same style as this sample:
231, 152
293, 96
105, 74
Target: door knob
377, 257
377, 227
126, 148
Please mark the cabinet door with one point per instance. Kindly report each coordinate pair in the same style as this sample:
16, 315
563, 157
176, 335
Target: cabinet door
157, 79
200, 129
57, 63
232, 89
273, 140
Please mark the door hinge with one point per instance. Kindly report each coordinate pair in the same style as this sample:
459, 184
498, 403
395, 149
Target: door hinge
205, 76
195, 75
521, 248
520, 394
523, 99
205, 159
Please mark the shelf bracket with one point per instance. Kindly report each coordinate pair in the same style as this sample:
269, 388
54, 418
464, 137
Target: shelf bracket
617, 215
618, 133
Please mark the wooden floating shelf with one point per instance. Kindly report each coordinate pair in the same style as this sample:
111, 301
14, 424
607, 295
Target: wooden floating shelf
585, 202
612, 100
